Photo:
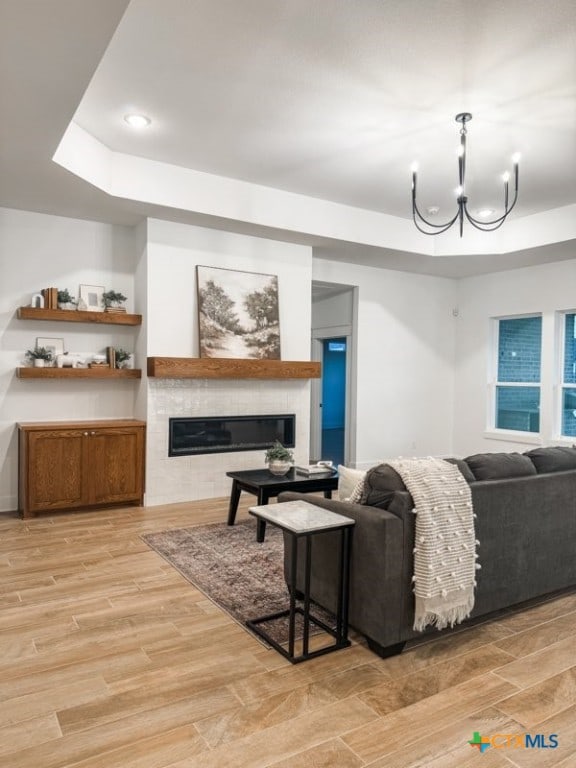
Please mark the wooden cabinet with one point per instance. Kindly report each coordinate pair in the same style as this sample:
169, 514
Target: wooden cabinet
75, 465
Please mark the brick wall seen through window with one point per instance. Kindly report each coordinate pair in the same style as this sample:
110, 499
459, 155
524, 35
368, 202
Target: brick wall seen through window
568, 419
519, 359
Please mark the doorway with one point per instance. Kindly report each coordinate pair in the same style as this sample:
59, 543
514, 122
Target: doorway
333, 404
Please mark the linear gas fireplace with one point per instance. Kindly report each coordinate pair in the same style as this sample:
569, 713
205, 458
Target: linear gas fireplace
224, 434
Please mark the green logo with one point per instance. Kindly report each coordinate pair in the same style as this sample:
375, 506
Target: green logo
480, 743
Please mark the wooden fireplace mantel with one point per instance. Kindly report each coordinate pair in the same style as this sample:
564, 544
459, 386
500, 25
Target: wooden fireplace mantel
224, 368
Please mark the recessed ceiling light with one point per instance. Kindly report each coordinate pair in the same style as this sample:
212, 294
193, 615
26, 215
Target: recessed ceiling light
485, 213
137, 121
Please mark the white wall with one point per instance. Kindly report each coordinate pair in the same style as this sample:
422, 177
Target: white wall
333, 311
421, 373
173, 252
141, 299
38, 251
542, 289
405, 360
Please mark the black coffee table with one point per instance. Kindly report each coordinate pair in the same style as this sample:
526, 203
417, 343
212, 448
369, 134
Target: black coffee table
265, 486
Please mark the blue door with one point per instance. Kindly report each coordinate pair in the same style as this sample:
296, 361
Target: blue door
333, 399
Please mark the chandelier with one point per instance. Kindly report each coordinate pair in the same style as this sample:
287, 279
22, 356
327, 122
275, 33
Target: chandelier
462, 211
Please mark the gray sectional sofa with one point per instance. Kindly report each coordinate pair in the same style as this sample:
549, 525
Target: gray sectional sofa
526, 524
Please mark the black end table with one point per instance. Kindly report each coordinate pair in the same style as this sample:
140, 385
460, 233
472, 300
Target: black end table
265, 486
299, 519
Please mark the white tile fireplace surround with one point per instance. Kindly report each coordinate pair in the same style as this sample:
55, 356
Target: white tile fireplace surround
171, 479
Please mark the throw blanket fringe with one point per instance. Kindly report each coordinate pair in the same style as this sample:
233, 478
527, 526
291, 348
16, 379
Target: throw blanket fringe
445, 546
441, 617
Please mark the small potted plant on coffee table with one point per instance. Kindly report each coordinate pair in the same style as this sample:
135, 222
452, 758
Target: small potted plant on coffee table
39, 356
113, 301
279, 459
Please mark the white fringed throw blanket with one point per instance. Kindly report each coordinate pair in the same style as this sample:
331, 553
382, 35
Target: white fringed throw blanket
445, 545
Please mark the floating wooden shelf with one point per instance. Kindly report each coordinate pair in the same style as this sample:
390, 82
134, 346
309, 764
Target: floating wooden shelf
224, 368
78, 373
79, 316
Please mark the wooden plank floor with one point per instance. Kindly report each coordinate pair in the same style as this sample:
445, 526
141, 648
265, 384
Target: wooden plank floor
110, 659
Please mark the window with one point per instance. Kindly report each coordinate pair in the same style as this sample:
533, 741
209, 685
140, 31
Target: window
568, 406
517, 386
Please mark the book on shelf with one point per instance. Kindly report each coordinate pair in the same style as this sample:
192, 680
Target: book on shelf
50, 298
111, 356
319, 468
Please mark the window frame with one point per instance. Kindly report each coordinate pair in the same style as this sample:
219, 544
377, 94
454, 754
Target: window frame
560, 385
492, 431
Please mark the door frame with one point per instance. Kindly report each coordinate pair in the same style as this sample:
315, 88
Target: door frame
319, 335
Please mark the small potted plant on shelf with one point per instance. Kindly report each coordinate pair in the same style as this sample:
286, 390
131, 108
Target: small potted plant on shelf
113, 301
279, 459
122, 358
66, 300
39, 356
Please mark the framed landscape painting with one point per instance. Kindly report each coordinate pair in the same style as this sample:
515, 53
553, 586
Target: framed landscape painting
238, 314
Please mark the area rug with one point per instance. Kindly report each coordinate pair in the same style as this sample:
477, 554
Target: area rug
226, 563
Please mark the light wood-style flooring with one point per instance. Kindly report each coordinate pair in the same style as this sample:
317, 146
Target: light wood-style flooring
110, 659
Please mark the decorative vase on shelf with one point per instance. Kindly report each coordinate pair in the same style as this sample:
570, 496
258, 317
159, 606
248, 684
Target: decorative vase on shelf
39, 362
279, 468
66, 305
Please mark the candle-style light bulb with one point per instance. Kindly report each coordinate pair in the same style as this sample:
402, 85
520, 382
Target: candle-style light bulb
414, 169
516, 161
506, 179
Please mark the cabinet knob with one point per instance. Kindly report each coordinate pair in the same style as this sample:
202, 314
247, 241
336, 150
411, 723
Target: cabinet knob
92, 433
86, 434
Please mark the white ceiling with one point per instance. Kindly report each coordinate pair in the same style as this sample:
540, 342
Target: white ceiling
331, 99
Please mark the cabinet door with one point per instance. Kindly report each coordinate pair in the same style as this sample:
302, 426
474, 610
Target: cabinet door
115, 465
54, 469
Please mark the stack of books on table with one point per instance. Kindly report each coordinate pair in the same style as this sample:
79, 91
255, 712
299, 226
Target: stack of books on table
320, 468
